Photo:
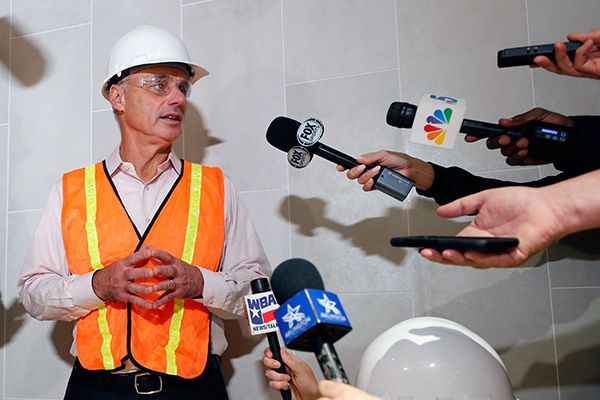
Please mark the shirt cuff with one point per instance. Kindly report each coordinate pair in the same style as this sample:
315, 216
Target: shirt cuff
215, 289
82, 293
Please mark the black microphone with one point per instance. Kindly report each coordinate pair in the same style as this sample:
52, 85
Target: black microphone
261, 285
316, 318
546, 141
282, 134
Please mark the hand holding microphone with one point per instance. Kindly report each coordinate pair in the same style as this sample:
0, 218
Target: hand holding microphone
301, 142
310, 319
585, 62
299, 378
421, 172
546, 139
517, 150
261, 307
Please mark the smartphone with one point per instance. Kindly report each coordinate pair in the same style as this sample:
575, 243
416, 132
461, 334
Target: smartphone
517, 56
460, 243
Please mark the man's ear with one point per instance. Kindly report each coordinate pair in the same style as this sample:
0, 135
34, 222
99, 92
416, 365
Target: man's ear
116, 96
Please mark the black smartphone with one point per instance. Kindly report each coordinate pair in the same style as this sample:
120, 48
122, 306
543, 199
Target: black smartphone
460, 243
517, 56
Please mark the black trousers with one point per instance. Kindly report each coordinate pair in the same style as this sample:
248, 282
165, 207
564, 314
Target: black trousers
101, 385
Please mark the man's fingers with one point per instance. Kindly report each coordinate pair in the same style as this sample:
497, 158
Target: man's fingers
545, 63
373, 158
270, 362
140, 257
138, 301
168, 271
267, 352
370, 174
163, 256
497, 142
138, 273
356, 171
464, 206
164, 299
471, 138
277, 384
368, 185
167, 284
431, 255
138, 288
490, 260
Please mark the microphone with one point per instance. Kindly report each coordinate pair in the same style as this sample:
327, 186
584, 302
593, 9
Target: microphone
283, 134
310, 319
261, 308
546, 141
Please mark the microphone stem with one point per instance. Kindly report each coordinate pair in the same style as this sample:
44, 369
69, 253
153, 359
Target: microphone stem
286, 394
329, 361
335, 156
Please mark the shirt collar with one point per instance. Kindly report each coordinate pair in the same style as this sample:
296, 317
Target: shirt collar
114, 161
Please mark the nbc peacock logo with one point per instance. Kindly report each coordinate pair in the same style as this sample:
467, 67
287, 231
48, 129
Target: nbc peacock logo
436, 125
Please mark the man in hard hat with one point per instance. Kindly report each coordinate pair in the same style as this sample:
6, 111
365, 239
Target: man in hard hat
145, 251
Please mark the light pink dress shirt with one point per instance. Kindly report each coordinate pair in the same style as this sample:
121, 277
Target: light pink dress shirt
49, 291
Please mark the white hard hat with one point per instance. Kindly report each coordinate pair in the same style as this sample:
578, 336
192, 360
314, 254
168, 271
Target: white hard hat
431, 358
147, 45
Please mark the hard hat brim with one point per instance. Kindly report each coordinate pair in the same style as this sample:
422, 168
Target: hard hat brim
198, 72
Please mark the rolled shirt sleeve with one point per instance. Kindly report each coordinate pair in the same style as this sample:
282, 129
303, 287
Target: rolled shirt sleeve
46, 286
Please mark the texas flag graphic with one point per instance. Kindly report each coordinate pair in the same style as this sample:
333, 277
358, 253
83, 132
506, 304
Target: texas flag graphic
261, 312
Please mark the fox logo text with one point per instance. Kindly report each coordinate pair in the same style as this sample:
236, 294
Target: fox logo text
310, 132
299, 157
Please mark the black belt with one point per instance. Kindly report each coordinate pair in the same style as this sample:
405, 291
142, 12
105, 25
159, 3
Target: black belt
140, 382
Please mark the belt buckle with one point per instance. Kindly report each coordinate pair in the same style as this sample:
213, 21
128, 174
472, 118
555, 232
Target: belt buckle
136, 384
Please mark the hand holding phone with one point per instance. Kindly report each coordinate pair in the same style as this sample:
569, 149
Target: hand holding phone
459, 243
516, 56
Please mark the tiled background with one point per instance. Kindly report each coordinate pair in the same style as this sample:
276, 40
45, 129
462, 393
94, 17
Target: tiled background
343, 61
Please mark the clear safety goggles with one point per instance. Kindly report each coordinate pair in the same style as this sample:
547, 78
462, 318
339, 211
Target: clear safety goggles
160, 85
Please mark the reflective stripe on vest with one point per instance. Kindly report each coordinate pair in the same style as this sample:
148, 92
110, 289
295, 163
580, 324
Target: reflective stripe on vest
189, 225
188, 254
92, 239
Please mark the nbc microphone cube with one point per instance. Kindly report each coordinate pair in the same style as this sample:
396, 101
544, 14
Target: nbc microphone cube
260, 309
311, 313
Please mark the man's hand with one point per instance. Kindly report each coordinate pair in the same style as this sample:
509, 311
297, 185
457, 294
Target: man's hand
183, 280
534, 216
117, 281
516, 150
301, 379
586, 63
418, 170
339, 391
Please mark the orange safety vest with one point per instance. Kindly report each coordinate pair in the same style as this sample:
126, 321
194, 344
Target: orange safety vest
98, 232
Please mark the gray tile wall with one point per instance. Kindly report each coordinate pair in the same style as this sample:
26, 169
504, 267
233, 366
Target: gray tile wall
343, 61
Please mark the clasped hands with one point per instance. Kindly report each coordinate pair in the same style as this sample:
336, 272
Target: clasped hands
118, 281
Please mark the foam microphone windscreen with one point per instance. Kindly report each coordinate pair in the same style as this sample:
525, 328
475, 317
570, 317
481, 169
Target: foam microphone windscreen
292, 276
282, 133
401, 115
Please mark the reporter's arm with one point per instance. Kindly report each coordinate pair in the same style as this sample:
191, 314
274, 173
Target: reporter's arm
452, 183
330, 390
537, 217
416, 169
300, 378
586, 63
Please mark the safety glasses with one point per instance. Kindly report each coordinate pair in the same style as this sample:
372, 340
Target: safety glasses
160, 85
